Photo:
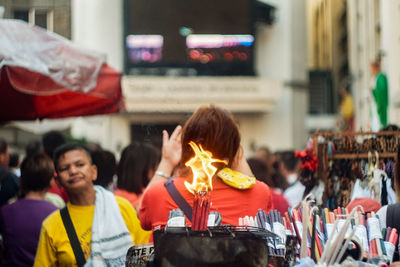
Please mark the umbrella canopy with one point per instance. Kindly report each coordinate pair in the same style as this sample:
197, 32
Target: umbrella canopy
43, 75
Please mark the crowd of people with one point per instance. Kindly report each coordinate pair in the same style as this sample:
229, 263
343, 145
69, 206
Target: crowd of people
74, 204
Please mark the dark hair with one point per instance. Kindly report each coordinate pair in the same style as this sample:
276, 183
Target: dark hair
69, 147
14, 160
93, 146
3, 146
106, 167
288, 159
215, 130
34, 147
347, 88
277, 177
260, 171
51, 140
266, 153
37, 170
133, 169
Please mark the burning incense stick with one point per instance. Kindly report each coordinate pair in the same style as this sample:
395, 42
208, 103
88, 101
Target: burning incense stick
203, 172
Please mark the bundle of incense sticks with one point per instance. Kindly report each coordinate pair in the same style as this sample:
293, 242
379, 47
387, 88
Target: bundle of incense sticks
322, 228
390, 236
326, 235
272, 222
201, 210
375, 239
337, 244
275, 223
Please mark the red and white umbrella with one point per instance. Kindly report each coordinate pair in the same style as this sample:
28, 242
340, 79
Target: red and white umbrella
43, 75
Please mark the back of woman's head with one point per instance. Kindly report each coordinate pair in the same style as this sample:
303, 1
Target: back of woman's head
106, 167
37, 170
138, 161
215, 130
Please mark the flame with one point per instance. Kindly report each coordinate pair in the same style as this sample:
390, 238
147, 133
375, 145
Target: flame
202, 169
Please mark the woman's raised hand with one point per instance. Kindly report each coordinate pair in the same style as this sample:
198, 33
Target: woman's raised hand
170, 156
172, 148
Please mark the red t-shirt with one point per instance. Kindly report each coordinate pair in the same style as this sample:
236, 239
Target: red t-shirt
230, 202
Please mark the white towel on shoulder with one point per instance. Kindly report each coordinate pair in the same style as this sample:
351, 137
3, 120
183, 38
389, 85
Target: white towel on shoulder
110, 236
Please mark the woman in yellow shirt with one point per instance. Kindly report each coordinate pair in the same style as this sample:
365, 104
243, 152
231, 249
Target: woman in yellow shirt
105, 228
347, 109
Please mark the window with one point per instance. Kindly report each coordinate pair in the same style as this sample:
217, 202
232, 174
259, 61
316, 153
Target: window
55, 15
22, 15
39, 17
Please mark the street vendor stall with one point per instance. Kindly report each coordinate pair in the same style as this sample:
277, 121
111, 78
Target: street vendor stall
306, 235
358, 165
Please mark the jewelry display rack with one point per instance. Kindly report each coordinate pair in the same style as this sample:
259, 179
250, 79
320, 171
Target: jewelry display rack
347, 145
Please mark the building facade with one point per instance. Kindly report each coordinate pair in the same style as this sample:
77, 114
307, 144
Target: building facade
368, 31
270, 107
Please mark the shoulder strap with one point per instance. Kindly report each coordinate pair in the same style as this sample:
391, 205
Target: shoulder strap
73, 238
178, 198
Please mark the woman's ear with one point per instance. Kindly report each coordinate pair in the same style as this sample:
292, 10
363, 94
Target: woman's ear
94, 171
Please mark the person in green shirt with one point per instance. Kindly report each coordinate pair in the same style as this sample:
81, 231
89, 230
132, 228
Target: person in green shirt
380, 93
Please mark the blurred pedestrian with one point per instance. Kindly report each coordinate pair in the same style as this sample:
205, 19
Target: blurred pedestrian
51, 140
9, 184
21, 221
380, 93
136, 167
36, 147
105, 226
291, 170
260, 171
277, 176
264, 154
14, 164
347, 110
106, 168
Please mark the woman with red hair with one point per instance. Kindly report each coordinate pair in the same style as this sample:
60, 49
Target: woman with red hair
216, 131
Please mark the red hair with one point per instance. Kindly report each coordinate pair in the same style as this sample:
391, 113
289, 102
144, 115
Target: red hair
215, 130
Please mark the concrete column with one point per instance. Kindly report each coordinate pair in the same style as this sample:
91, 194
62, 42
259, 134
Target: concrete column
363, 48
390, 38
98, 25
